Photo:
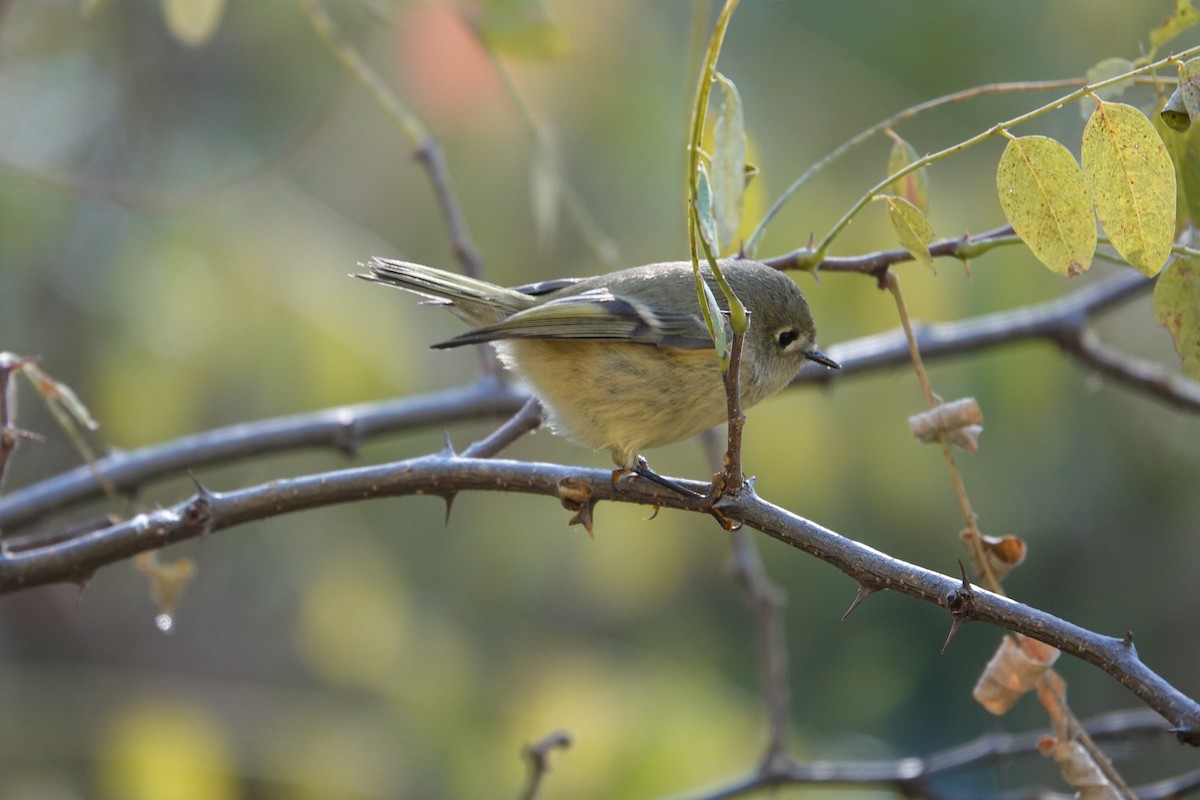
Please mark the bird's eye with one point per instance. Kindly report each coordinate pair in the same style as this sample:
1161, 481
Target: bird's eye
786, 337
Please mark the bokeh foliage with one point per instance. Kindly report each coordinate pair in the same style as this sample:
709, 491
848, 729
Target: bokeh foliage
176, 225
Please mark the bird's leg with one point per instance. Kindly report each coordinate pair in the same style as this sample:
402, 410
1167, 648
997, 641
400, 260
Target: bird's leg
641, 468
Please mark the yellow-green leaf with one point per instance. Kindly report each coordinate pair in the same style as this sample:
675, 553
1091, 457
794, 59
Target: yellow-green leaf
193, 22
910, 226
1132, 182
1045, 199
522, 29
728, 162
1184, 149
913, 187
1177, 308
1184, 17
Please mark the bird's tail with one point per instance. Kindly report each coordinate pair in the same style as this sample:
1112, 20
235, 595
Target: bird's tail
476, 301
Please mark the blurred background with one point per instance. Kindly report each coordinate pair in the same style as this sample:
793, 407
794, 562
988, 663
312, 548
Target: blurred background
177, 222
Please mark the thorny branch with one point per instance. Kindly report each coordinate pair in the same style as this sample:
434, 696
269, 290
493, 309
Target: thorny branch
443, 474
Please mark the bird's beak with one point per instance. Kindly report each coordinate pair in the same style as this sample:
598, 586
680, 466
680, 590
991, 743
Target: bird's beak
821, 358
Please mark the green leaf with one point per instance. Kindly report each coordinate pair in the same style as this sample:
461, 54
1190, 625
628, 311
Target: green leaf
717, 326
1184, 17
1132, 182
1184, 149
1177, 308
193, 22
911, 227
522, 29
705, 211
1045, 199
913, 187
728, 162
1108, 68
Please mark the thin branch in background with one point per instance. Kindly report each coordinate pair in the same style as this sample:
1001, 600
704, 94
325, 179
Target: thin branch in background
917, 776
975, 538
426, 149
766, 601
343, 429
537, 756
528, 418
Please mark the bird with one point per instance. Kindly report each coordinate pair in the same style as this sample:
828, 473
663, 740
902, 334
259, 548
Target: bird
624, 361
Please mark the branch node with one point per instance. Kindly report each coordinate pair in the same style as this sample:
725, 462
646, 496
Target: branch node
347, 437
1127, 642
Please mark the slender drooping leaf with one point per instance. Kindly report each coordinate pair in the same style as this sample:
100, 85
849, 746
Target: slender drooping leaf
1132, 182
728, 162
1045, 199
913, 187
705, 211
1177, 308
911, 227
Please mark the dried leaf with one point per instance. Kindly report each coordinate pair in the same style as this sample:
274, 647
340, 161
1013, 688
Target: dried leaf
960, 420
1013, 670
728, 163
1132, 183
1177, 308
167, 582
1079, 769
1003, 553
913, 187
1045, 199
910, 226
193, 22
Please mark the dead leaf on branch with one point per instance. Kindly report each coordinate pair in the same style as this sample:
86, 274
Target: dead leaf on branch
1003, 553
961, 421
1015, 669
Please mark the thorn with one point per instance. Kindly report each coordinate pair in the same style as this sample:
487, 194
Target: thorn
653, 512
583, 516
447, 450
449, 498
81, 584
954, 629
961, 604
576, 495
198, 513
347, 436
864, 591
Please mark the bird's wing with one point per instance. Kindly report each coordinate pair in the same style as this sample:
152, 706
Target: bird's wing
596, 315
